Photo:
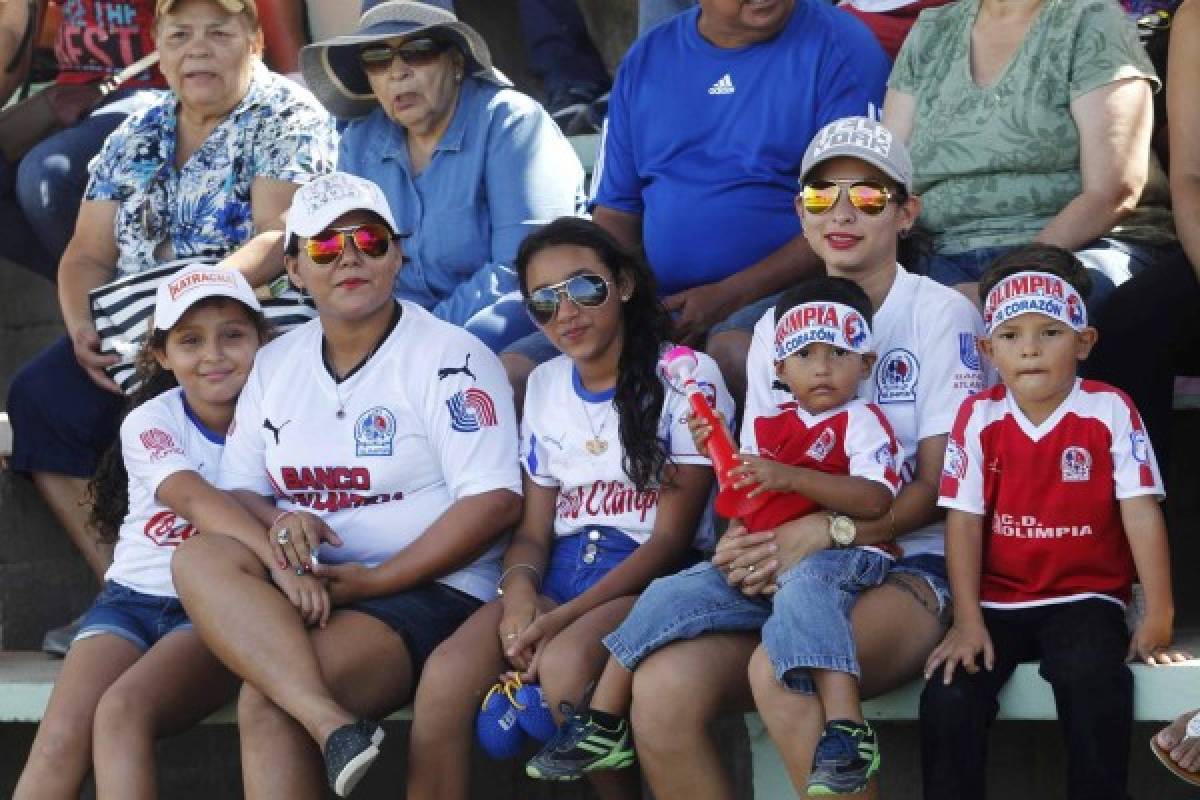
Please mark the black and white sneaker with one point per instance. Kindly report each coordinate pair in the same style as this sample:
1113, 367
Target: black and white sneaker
349, 753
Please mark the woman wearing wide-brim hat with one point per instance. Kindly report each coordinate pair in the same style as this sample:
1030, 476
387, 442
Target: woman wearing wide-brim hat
469, 165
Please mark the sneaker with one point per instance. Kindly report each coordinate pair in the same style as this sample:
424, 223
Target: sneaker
583, 743
58, 641
496, 727
533, 714
349, 753
846, 758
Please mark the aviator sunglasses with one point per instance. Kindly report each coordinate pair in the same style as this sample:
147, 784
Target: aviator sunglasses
417, 53
372, 240
869, 197
588, 290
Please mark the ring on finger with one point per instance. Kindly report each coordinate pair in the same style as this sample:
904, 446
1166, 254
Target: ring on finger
750, 569
510, 636
283, 536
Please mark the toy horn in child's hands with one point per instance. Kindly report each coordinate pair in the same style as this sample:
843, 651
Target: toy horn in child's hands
679, 365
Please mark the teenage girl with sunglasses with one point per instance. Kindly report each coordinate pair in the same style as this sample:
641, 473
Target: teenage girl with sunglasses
137, 670
855, 203
615, 496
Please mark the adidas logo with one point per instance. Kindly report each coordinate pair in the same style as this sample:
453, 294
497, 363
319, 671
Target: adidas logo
723, 86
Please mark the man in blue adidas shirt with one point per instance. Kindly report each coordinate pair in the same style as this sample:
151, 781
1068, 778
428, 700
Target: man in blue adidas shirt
707, 124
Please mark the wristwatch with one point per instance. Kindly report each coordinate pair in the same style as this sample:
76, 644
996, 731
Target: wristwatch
842, 530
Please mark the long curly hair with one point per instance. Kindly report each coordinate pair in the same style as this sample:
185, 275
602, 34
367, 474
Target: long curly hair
108, 490
638, 399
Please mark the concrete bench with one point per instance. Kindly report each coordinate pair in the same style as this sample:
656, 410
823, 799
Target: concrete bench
1160, 694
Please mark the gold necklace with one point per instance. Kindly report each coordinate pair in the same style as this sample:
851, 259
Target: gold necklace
596, 446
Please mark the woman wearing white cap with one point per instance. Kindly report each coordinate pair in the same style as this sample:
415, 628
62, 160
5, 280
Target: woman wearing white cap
856, 201
205, 172
137, 670
469, 165
383, 441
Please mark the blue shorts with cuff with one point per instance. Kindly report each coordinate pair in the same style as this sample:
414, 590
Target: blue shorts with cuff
142, 619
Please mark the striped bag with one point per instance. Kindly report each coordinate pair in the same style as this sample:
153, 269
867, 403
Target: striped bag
122, 309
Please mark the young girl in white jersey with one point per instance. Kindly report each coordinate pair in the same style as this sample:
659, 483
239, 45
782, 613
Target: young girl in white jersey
615, 496
136, 669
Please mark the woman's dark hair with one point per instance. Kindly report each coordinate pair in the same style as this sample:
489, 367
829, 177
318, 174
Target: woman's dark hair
827, 290
1036, 258
639, 391
108, 490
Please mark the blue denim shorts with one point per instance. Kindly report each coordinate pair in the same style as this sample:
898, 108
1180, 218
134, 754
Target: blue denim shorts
423, 617
140, 618
578, 561
805, 625
931, 569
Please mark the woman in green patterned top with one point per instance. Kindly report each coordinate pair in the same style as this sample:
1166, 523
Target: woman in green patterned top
1030, 120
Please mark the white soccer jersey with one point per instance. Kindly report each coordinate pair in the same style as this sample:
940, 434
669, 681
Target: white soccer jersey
561, 416
924, 335
428, 419
158, 439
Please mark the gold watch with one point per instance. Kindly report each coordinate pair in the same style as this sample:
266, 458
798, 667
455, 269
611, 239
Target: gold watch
842, 530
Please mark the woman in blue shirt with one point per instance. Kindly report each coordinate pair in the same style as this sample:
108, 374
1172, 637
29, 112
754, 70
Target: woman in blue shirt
469, 165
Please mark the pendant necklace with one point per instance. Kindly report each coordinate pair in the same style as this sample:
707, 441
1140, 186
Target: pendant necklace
596, 446
337, 382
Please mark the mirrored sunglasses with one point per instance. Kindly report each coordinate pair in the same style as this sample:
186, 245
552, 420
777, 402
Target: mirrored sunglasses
417, 53
586, 291
372, 240
869, 197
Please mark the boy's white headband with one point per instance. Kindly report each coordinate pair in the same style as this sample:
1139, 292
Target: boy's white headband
1034, 293
830, 323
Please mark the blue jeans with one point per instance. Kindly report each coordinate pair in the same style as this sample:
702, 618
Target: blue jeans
806, 625
559, 48
140, 618
578, 561
1109, 262
40, 194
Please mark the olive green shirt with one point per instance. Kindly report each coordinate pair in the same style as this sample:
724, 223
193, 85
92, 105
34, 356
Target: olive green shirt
995, 164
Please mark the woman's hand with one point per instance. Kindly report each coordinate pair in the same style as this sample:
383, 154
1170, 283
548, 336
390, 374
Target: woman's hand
348, 582
86, 343
306, 593
963, 644
696, 310
748, 559
530, 643
701, 430
519, 613
294, 538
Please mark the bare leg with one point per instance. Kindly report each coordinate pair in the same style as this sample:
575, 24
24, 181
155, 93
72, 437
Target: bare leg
451, 689
175, 685
569, 663
729, 349
61, 756
614, 690
893, 632
838, 693
369, 672
252, 628
67, 498
677, 693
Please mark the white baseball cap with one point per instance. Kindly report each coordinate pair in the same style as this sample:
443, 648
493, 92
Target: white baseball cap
192, 284
319, 202
865, 139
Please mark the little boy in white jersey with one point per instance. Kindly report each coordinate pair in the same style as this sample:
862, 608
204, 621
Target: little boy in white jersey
1052, 491
827, 450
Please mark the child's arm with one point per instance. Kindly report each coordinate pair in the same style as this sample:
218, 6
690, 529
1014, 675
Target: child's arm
1147, 533
968, 636
846, 494
213, 511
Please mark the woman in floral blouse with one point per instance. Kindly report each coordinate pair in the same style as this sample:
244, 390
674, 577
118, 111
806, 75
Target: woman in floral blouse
208, 171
